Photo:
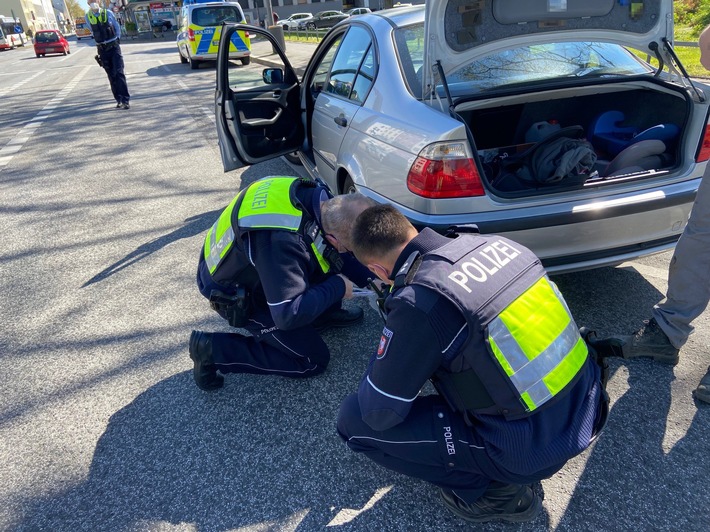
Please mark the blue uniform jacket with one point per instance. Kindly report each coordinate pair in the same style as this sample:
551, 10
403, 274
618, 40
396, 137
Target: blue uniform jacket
292, 285
425, 331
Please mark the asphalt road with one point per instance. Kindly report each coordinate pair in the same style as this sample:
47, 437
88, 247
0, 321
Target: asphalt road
103, 213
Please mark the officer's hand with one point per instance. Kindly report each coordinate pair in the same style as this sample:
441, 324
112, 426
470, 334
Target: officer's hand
348, 286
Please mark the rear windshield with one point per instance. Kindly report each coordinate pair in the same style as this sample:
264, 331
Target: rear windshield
214, 16
47, 37
527, 64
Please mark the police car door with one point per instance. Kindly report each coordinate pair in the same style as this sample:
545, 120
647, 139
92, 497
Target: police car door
257, 109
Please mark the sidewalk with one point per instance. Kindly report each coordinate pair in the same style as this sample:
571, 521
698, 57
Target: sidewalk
298, 54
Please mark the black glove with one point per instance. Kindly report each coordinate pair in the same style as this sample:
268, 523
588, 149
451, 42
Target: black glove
98, 60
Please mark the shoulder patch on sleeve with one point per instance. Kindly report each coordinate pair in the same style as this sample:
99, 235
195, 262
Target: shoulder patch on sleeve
384, 343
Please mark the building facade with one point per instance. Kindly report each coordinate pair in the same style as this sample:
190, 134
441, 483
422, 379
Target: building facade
33, 14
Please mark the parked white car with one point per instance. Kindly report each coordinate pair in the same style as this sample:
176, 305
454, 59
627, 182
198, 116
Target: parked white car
291, 23
428, 108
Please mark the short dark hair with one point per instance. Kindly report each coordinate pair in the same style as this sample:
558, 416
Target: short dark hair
378, 230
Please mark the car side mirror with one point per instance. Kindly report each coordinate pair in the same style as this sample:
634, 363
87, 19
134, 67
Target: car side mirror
272, 75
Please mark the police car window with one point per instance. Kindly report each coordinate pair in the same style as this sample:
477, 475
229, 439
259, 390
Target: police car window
347, 61
215, 16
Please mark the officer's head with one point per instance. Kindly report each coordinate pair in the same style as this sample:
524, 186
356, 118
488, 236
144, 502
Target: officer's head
94, 6
337, 215
379, 235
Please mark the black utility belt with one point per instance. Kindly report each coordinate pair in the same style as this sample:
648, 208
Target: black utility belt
106, 45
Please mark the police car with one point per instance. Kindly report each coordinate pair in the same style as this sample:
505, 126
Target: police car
200, 30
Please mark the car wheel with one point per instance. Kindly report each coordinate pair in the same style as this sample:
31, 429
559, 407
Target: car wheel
38, 55
245, 60
311, 26
65, 52
183, 59
68, 51
348, 186
293, 158
194, 65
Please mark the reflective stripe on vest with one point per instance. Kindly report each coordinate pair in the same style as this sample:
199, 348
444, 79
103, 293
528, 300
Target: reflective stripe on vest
267, 205
318, 246
103, 17
220, 237
538, 344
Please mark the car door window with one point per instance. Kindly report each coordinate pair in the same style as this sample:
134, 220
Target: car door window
321, 73
365, 77
352, 51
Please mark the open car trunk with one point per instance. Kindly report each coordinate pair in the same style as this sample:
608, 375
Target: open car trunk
627, 141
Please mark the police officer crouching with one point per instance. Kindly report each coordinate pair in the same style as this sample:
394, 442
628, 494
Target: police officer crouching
518, 394
276, 263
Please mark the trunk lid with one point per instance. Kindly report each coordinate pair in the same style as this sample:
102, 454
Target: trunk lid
458, 31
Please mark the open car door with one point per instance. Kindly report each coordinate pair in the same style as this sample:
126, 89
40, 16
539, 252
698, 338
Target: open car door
257, 109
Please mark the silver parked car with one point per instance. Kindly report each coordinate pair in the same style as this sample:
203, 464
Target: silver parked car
536, 123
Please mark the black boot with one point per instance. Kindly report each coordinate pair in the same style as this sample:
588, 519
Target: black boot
508, 502
205, 372
339, 318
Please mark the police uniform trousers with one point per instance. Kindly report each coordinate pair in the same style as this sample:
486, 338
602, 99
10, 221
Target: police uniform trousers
113, 65
688, 289
433, 444
270, 351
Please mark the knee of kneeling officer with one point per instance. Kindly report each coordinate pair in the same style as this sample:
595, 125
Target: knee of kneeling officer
349, 416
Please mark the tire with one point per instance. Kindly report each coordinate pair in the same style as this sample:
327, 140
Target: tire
245, 60
293, 158
311, 26
78, 38
348, 186
194, 65
65, 52
183, 59
38, 55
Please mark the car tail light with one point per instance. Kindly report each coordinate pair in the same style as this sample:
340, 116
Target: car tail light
704, 153
246, 35
190, 34
445, 170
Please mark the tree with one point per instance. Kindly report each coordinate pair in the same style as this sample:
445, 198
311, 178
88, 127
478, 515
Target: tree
76, 10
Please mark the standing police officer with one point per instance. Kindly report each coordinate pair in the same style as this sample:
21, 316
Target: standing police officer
271, 264
107, 33
478, 317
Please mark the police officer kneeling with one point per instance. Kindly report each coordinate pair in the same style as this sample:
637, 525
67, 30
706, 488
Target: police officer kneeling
518, 395
275, 264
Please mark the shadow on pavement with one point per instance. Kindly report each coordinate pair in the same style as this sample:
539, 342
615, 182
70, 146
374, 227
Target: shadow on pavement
194, 225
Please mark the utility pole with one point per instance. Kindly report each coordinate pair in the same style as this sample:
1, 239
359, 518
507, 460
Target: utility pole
269, 14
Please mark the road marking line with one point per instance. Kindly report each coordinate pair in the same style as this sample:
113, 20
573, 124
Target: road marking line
69, 55
16, 143
206, 110
5, 92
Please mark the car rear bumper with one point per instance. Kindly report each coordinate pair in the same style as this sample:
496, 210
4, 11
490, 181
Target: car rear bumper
50, 50
571, 237
213, 57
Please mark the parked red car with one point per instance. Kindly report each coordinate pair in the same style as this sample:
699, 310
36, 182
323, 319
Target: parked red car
50, 42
